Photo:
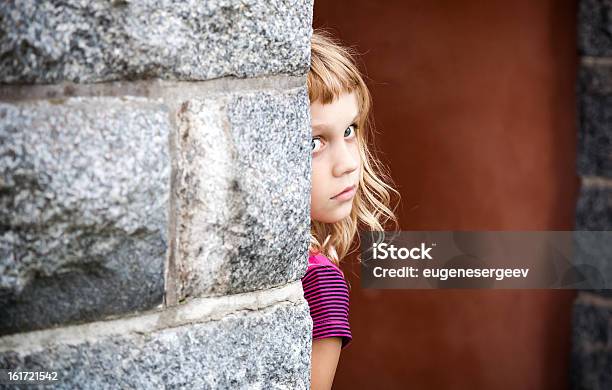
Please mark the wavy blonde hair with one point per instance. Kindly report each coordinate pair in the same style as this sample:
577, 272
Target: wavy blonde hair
333, 71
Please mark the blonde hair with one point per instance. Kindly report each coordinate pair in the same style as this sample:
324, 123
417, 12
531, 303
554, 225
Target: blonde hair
333, 71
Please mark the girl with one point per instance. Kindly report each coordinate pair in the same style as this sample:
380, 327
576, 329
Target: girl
349, 191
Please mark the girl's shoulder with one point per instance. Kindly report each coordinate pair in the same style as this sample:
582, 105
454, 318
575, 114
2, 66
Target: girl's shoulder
327, 293
320, 260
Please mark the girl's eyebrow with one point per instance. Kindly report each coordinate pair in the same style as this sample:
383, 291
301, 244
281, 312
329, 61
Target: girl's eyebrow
324, 126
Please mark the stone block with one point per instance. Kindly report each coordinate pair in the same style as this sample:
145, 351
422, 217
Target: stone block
84, 191
263, 349
242, 209
595, 27
591, 346
595, 120
93, 41
594, 208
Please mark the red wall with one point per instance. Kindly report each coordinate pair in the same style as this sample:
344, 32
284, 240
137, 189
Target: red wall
475, 105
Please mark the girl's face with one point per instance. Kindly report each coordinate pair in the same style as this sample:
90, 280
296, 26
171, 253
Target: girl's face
335, 158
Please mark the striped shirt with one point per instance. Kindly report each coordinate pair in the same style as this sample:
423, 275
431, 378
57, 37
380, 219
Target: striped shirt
326, 291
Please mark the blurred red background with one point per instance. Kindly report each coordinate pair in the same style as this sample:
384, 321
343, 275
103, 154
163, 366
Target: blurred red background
474, 102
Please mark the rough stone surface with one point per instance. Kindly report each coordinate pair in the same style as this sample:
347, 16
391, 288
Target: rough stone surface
592, 315
595, 120
83, 209
595, 27
591, 346
592, 251
266, 349
243, 192
594, 209
101, 40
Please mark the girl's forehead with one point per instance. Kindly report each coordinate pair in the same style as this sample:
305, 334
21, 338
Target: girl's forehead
339, 112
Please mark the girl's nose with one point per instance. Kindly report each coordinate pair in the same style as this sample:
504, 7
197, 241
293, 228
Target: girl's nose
346, 159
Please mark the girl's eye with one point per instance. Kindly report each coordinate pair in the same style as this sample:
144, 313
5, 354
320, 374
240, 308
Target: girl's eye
316, 144
350, 131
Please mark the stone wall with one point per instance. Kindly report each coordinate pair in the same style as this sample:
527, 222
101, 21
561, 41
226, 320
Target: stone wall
592, 316
154, 192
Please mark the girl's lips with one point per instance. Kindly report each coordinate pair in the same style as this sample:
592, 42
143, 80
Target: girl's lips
347, 194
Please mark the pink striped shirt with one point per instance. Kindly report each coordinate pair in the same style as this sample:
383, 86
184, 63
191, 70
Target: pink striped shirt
326, 291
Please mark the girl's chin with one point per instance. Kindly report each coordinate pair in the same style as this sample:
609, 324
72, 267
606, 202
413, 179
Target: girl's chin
333, 216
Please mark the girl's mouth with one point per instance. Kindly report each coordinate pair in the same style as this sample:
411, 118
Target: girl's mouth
346, 194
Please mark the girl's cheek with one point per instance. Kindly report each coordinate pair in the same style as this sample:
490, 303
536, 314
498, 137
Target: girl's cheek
316, 174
